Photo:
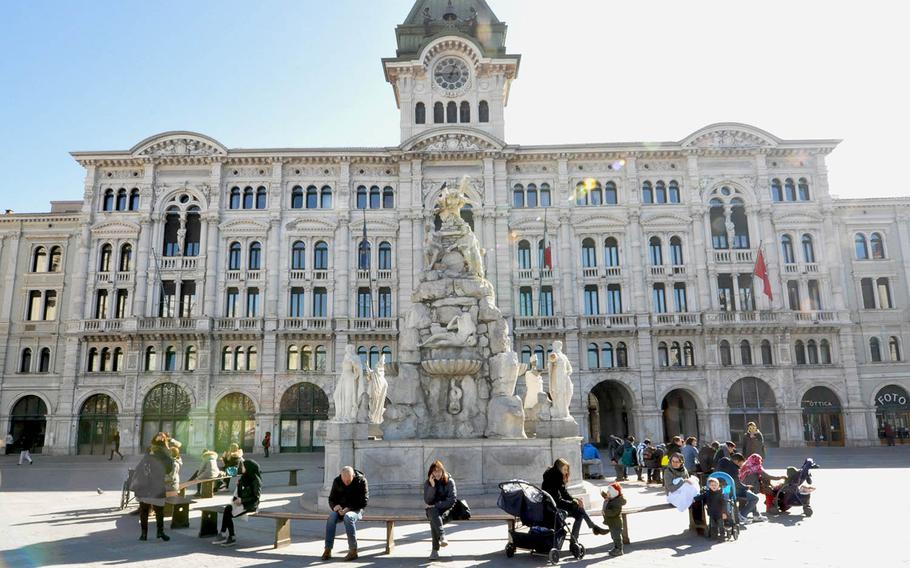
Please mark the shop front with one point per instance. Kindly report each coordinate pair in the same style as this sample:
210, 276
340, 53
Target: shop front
823, 418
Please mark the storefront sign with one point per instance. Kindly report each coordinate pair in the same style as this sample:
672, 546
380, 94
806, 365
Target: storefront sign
818, 403
892, 398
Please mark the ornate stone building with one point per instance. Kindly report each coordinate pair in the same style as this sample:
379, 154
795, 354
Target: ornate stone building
211, 291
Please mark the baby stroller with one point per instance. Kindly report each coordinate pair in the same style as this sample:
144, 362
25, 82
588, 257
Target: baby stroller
728, 487
796, 491
547, 528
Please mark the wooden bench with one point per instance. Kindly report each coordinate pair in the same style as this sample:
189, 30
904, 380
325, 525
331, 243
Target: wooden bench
207, 486
292, 474
649, 509
209, 523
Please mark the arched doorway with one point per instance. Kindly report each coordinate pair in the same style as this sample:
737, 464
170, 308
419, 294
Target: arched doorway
304, 412
166, 409
609, 408
680, 415
823, 419
892, 406
28, 421
97, 424
752, 400
235, 422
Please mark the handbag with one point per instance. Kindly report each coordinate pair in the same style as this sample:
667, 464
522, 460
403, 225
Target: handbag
665, 461
460, 511
231, 470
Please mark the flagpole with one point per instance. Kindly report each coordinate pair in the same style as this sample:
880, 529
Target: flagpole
540, 268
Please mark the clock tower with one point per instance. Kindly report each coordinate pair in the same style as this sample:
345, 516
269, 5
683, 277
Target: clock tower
451, 68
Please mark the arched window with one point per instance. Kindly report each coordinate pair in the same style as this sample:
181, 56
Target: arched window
56, 259
655, 250
439, 113
611, 252
606, 356
312, 197
321, 256
151, 359
121, 199
297, 197
134, 199
388, 198
189, 358
581, 194
532, 195
812, 351
170, 358
39, 260
235, 198
545, 195
44, 360
777, 193
385, 256
518, 196
875, 349
766, 354
726, 357
588, 254
862, 250
361, 197
803, 188
126, 258
593, 356
825, 352
363, 255
786, 247
375, 197
610, 195
808, 249
675, 354
483, 112
255, 257
227, 359
800, 353
718, 224
465, 112
239, 359
108, 203
193, 233
674, 191
91, 363
622, 355
676, 251
248, 198
105, 359
660, 192
878, 246
325, 196
298, 255
790, 189
104, 259
451, 112
293, 358
234, 256
252, 359
420, 113
596, 194
526, 354
745, 352
524, 255
647, 193
894, 348
688, 354
25, 363
118, 359
663, 355
740, 223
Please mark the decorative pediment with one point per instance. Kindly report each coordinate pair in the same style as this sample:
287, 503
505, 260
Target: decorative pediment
116, 229
797, 218
243, 227
179, 144
380, 226
599, 220
311, 226
665, 218
535, 224
729, 135
452, 140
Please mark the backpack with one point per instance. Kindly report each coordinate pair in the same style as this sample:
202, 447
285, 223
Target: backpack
628, 456
648, 454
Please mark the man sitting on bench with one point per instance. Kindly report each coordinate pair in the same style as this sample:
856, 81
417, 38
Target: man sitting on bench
347, 500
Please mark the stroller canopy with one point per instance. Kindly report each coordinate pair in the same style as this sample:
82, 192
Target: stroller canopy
525, 501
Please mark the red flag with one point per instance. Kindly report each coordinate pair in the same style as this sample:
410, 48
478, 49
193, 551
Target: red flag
761, 271
547, 251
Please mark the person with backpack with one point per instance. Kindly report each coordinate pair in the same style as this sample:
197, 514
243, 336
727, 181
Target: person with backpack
629, 458
650, 459
615, 449
148, 484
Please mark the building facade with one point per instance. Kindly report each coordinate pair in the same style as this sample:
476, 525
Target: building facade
211, 292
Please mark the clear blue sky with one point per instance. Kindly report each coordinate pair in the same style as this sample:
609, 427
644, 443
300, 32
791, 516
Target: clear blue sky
94, 75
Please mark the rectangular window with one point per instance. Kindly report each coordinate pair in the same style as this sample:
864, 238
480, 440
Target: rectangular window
295, 309
725, 293
167, 303
659, 297
746, 300
320, 303
385, 302
230, 304
679, 297
252, 303
546, 301
868, 293
101, 304
50, 305
815, 295
34, 306
614, 299
187, 298
884, 294
592, 303
525, 302
793, 294
364, 303
120, 308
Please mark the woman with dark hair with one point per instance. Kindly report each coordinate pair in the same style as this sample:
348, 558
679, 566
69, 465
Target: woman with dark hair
148, 483
681, 488
555, 480
439, 494
246, 500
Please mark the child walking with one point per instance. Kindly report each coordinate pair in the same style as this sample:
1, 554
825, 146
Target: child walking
613, 504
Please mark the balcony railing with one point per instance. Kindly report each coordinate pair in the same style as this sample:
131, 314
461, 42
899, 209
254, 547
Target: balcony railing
178, 262
238, 324
613, 271
321, 274
306, 324
591, 272
538, 322
608, 321
363, 274
96, 325
373, 324
772, 317
525, 274
167, 323
385, 274
658, 270
675, 319
734, 256
240, 275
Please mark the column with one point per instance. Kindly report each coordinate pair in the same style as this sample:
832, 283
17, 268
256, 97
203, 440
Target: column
211, 265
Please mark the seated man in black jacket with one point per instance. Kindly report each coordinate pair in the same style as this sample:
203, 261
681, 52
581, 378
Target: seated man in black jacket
748, 500
347, 500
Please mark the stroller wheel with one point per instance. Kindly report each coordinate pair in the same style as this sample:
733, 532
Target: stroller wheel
807, 511
578, 551
735, 532
554, 556
510, 550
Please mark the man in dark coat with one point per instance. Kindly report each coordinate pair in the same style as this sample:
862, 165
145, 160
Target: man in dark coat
747, 499
615, 448
347, 499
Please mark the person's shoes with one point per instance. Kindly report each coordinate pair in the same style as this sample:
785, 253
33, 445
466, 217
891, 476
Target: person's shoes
222, 538
744, 520
231, 541
327, 554
434, 555
640, 479
163, 536
443, 541
759, 518
600, 530
144, 536
615, 552
352, 555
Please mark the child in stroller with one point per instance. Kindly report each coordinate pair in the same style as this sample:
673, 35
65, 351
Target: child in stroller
546, 524
719, 498
797, 490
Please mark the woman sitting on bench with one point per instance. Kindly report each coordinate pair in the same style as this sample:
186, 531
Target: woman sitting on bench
246, 500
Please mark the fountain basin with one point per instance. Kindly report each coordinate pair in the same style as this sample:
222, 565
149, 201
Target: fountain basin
451, 367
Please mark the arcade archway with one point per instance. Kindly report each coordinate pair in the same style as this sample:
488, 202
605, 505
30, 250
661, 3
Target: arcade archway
609, 412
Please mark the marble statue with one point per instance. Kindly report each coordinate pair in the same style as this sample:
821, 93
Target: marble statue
560, 371
505, 415
461, 332
349, 388
533, 384
378, 389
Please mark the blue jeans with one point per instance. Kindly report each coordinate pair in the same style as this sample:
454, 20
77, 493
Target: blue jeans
749, 502
350, 527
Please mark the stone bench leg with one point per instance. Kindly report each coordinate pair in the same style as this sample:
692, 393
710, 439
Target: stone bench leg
625, 529
292, 477
389, 537
208, 524
181, 517
207, 489
282, 533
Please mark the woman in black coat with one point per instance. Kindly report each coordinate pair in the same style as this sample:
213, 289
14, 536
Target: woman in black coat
554, 483
439, 494
246, 500
149, 486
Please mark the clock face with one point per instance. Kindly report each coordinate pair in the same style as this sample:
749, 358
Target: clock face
451, 73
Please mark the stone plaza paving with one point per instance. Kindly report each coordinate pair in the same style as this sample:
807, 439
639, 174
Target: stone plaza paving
51, 514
